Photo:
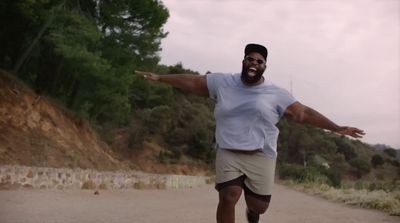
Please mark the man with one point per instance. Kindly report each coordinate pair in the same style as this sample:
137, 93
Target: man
247, 109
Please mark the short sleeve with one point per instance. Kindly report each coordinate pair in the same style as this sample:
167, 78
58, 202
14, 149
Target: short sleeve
212, 84
285, 99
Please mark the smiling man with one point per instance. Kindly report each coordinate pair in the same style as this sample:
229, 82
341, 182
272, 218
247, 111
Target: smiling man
252, 71
247, 109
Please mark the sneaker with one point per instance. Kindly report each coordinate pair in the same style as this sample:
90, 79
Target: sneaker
252, 217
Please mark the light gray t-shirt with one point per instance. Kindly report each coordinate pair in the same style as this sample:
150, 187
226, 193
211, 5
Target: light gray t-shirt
246, 116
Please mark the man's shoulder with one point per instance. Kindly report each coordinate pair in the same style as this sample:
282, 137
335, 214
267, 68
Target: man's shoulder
223, 78
223, 75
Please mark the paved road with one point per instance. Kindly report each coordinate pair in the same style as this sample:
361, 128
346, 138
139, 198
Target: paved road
169, 206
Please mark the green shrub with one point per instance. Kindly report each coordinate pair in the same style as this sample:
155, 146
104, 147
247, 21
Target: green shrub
302, 175
172, 156
335, 177
137, 132
391, 152
290, 171
384, 186
361, 185
360, 167
377, 160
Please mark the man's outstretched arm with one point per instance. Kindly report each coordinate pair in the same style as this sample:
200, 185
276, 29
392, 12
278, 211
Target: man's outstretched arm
304, 114
196, 84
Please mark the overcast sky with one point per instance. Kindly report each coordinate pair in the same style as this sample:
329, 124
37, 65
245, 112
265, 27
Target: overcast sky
342, 57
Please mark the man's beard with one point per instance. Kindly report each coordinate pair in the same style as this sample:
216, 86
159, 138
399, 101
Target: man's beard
250, 80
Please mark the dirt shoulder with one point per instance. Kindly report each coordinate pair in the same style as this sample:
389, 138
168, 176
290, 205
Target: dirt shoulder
195, 205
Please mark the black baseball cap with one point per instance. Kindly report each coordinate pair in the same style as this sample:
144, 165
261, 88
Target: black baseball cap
252, 47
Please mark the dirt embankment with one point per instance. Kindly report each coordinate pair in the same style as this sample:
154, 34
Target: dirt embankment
36, 132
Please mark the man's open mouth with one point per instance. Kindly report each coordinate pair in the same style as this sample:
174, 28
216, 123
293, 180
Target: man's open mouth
252, 71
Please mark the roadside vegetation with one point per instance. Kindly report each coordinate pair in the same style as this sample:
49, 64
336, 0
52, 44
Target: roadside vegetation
379, 199
363, 192
339, 168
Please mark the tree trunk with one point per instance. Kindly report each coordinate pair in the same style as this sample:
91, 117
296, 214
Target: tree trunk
72, 97
57, 77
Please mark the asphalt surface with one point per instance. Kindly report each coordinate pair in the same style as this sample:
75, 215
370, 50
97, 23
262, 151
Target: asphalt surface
196, 205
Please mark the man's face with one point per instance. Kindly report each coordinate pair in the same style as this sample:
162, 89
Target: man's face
253, 67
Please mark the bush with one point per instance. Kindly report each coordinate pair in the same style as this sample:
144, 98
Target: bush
390, 152
377, 160
158, 120
172, 156
301, 174
335, 177
346, 148
360, 167
314, 175
290, 171
137, 132
361, 185
192, 128
395, 163
384, 186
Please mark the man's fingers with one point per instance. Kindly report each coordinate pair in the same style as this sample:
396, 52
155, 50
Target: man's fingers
146, 75
142, 73
351, 131
356, 133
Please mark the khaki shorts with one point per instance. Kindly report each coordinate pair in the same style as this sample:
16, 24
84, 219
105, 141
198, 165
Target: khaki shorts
257, 168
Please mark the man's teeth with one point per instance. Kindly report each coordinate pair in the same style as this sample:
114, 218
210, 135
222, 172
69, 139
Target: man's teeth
252, 71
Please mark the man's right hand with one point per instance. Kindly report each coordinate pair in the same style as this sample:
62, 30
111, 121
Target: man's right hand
148, 75
196, 84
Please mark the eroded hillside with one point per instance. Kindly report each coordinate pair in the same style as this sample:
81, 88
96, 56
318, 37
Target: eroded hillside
35, 132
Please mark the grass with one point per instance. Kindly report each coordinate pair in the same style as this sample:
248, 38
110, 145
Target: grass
140, 185
387, 201
88, 185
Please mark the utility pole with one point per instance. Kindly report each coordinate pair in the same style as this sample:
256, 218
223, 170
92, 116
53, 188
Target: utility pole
291, 87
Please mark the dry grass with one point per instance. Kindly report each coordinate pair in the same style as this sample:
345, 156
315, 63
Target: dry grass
378, 199
140, 185
89, 184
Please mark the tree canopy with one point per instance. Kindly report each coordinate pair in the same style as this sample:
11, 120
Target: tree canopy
83, 53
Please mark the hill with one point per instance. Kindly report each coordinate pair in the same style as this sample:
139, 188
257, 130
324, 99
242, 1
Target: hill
36, 131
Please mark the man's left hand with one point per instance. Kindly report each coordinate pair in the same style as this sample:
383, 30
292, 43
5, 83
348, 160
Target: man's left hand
350, 131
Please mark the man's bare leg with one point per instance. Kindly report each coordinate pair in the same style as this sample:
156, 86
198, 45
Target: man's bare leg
255, 207
228, 197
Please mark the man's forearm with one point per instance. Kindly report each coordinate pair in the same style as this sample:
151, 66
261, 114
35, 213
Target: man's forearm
315, 118
183, 81
194, 83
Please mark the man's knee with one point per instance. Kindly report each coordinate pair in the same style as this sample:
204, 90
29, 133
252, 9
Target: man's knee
260, 208
230, 195
257, 203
